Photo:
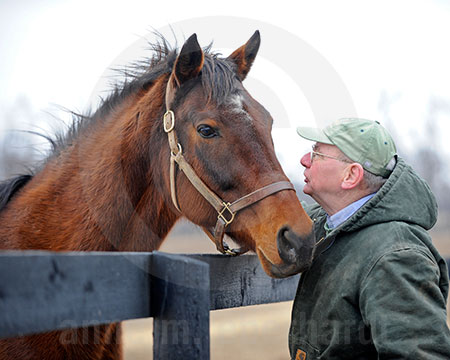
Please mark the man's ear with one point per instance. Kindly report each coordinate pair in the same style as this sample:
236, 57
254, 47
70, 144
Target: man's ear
353, 176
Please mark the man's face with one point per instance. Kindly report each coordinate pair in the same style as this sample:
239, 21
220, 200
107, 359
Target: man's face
323, 176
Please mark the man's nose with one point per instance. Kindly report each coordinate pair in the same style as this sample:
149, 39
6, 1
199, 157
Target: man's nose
306, 160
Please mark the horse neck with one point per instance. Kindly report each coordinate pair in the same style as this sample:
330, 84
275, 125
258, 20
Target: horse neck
108, 191
146, 175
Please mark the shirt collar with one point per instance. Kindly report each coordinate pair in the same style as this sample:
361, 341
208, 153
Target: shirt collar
337, 219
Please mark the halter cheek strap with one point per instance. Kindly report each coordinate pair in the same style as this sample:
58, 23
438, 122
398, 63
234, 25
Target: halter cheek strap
226, 211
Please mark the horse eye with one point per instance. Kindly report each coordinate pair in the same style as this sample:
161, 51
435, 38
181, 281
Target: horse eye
206, 131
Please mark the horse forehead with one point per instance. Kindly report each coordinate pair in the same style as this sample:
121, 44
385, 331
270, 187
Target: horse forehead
235, 103
247, 108
235, 100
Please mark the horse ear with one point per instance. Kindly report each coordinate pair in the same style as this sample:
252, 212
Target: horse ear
244, 56
189, 62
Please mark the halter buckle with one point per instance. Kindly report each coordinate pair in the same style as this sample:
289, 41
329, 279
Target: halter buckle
169, 121
226, 207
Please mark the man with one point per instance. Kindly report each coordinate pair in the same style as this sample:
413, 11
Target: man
377, 288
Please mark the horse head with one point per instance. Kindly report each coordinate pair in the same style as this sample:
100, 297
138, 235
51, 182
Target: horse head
224, 136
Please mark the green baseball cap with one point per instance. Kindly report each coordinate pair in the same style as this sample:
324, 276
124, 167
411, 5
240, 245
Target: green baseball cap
363, 141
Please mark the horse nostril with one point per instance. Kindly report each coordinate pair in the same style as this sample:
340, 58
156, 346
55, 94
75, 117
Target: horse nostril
293, 248
291, 236
286, 241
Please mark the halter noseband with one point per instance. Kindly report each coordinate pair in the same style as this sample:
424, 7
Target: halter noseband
226, 211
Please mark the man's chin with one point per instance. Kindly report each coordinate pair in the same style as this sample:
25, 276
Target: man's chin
307, 190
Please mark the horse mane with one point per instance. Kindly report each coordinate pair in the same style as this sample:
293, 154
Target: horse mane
9, 187
218, 78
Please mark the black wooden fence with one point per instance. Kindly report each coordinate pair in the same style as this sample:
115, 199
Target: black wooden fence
43, 291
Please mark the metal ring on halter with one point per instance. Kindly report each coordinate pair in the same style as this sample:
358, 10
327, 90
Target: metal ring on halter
168, 127
180, 150
229, 251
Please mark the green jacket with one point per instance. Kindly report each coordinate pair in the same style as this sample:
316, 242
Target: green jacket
379, 291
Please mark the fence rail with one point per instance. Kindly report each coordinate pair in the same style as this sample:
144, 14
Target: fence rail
43, 291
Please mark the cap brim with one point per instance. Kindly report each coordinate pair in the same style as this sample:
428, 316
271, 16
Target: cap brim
313, 134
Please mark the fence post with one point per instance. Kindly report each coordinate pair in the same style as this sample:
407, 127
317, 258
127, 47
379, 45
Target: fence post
180, 305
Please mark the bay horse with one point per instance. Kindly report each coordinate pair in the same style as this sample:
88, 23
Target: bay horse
174, 141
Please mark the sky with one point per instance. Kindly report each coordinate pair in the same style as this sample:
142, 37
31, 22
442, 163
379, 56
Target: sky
318, 61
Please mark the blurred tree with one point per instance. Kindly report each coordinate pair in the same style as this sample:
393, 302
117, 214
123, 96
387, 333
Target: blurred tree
428, 155
19, 150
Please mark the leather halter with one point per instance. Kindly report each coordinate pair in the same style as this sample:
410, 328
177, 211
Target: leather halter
226, 211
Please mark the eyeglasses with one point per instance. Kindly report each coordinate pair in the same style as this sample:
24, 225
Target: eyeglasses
315, 154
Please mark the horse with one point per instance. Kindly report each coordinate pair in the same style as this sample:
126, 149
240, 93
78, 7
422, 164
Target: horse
181, 139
